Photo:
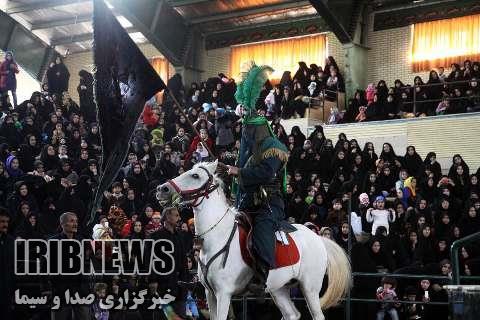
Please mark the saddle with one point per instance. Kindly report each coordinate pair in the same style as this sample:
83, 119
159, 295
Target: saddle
286, 250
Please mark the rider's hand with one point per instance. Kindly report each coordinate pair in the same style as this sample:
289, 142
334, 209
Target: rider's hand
233, 171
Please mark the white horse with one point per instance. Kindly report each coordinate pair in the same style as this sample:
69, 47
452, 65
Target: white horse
223, 271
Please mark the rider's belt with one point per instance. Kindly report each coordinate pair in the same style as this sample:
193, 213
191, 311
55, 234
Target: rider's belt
265, 193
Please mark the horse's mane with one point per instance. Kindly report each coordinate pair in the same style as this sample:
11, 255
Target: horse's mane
218, 175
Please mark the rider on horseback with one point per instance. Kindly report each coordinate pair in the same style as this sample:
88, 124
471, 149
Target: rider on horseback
260, 173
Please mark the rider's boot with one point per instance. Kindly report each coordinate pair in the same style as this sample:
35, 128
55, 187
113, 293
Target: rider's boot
259, 282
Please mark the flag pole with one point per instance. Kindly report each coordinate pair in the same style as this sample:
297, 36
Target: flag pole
179, 107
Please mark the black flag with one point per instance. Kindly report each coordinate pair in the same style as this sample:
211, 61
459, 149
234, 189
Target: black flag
124, 81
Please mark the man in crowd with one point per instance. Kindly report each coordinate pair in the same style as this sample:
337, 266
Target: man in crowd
76, 283
169, 283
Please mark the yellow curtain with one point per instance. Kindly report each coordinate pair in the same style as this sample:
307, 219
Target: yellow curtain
281, 55
441, 43
161, 65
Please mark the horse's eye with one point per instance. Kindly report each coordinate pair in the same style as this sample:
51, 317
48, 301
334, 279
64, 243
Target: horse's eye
195, 176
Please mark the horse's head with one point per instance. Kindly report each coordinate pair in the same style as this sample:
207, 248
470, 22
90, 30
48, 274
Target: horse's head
190, 187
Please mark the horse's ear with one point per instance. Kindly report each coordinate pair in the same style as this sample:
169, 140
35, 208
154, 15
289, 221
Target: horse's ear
212, 166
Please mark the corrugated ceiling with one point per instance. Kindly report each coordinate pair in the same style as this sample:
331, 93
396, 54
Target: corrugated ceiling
66, 25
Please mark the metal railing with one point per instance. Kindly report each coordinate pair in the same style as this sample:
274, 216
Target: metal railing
349, 299
454, 254
346, 302
442, 84
320, 102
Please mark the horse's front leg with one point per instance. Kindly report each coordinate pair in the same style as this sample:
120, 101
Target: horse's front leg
212, 304
223, 305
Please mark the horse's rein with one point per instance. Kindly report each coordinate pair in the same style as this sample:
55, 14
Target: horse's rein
195, 194
199, 236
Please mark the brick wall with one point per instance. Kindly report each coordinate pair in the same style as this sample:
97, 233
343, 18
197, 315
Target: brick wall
335, 49
77, 62
388, 57
214, 61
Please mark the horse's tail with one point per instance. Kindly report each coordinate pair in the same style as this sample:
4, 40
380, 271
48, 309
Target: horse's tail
339, 274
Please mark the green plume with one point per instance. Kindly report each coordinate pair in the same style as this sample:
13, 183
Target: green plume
248, 90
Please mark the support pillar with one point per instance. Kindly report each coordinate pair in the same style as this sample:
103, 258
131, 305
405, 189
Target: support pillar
188, 74
356, 57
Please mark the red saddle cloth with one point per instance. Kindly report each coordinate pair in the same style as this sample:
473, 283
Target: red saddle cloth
285, 255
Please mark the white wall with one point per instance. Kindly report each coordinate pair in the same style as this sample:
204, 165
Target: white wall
445, 135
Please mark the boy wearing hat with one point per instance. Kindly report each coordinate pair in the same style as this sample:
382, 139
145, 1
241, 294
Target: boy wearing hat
380, 216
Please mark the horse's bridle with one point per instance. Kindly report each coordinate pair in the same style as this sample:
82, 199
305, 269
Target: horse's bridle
198, 194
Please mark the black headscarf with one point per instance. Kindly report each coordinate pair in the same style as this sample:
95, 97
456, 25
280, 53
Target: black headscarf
302, 73
413, 163
389, 156
175, 85
286, 80
49, 162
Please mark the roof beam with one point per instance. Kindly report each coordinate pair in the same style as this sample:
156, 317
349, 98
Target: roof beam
412, 5
65, 21
313, 17
80, 38
15, 41
61, 22
42, 5
182, 3
332, 21
250, 11
158, 33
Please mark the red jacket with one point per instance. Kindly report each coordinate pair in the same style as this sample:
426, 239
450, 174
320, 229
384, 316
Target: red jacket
193, 147
4, 68
150, 119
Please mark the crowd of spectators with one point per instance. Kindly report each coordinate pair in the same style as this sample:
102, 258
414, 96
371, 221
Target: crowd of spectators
459, 92
404, 211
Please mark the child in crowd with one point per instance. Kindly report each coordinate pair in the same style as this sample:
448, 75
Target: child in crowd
362, 114
386, 295
200, 154
441, 74
380, 216
191, 305
99, 313
270, 103
336, 216
443, 106
101, 230
153, 225
326, 232
370, 93
412, 311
